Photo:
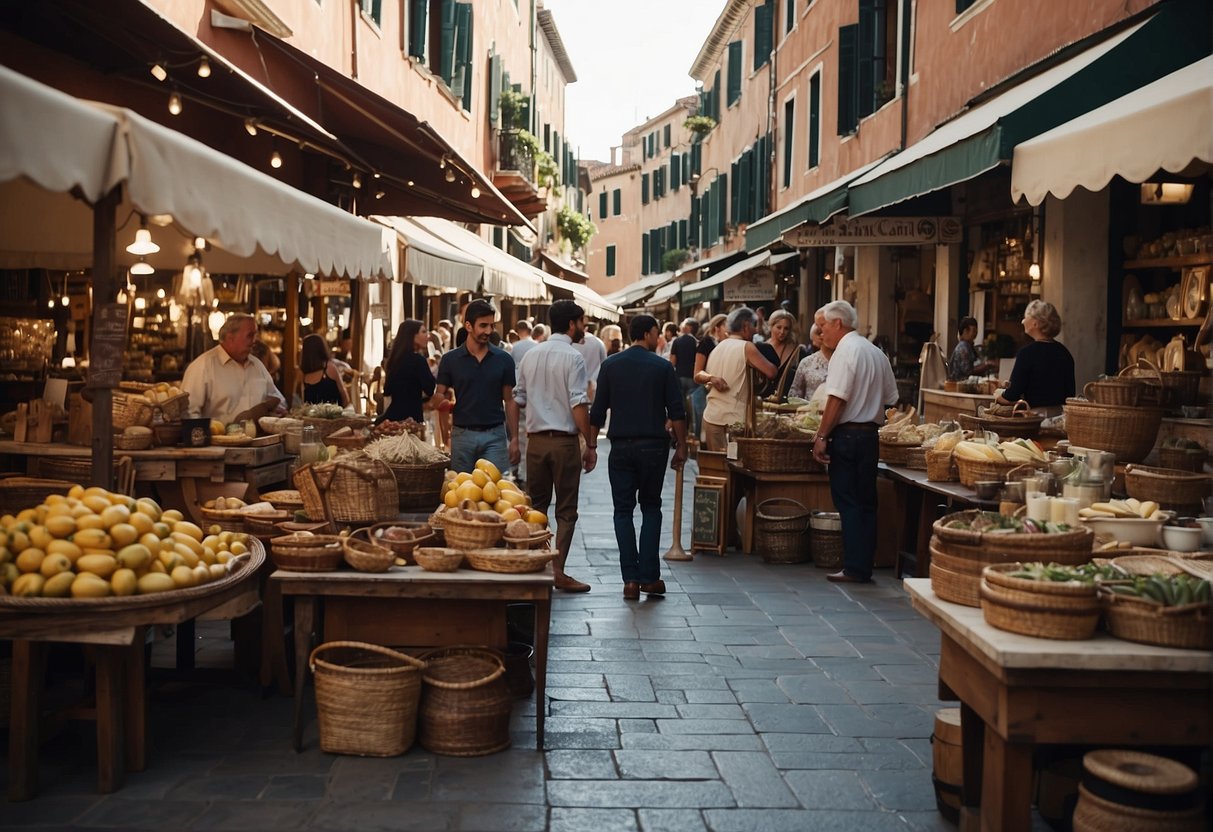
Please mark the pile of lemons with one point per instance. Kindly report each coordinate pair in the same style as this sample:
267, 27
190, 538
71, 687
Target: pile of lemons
93, 543
491, 492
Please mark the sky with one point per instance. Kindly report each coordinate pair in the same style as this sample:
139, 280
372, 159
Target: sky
632, 59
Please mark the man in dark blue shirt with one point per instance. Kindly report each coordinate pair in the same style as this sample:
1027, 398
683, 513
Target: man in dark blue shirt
482, 378
641, 391
682, 356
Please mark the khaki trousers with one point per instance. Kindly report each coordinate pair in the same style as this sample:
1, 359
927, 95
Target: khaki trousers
553, 461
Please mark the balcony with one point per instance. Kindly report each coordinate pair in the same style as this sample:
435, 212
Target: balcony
515, 175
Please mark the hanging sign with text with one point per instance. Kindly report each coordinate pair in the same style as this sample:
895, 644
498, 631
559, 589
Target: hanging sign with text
108, 345
756, 284
876, 231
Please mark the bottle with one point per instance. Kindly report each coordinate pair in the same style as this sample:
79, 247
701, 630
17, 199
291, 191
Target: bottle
309, 445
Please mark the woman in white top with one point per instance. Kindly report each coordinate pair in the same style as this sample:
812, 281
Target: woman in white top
727, 376
811, 371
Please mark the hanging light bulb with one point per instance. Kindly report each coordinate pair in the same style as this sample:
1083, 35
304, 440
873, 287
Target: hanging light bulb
411, 183
65, 300
475, 192
204, 68
143, 244
357, 183
193, 272
442, 162
160, 294
159, 72
250, 126
174, 103
215, 302
121, 296
141, 303
200, 243
1034, 271
450, 174
275, 160
144, 267
50, 304
378, 194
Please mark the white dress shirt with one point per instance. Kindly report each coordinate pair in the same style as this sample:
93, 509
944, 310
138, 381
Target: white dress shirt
221, 387
860, 375
551, 382
593, 352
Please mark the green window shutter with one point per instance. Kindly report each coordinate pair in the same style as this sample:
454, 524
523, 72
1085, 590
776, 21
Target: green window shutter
675, 170
723, 195
870, 54
602, 205
617, 202
524, 116
682, 234
446, 60
764, 181
734, 204
734, 72
494, 89
547, 137
789, 139
815, 120
373, 9
714, 218
665, 135
655, 250
686, 167
644, 253
848, 102
644, 189
462, 81
763, 20
716, 97
696, 159
789, 19
961, 5
418, 31
696, 231
743, 181
610, 261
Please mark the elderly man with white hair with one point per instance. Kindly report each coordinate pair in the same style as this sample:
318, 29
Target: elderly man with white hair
858, 387
226, 382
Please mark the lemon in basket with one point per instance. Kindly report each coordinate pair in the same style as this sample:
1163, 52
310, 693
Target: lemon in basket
489, 469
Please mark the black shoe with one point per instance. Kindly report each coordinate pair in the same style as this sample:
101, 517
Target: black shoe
843, 577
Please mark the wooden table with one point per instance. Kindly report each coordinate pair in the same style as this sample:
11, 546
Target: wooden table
811, 490
1016, 692
117, 637
407, 606
916, 500
939, 405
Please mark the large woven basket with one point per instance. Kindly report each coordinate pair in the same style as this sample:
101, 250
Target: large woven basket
419, 487
1134, 619
1044, 609
1123, 392
941, 467
465, 702
18, 493
306, 553
471, 534
1125, 791
354, 489
894, 453
972, 471
1128, 432
1169, 488
366, 698
509, 561
781, 531
1070, 548
776, 456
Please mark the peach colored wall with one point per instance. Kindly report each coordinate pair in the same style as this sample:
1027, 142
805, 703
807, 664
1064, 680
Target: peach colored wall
622, 231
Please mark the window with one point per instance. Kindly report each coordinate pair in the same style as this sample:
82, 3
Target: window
735, 57
644, 253
440, 35
665, 135
617, 202
644, 189
867, 62
962, 5
815, 119
848, 104
602, 205
418, 30
764, 20
373, 9
789, 15
789, 139
675, 171
610, 260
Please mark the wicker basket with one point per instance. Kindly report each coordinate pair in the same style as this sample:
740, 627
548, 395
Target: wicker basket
941, 467
326, 426
403, 548
1128, 432
825, 539
306, 553
1181, 459
80, 469
365, 555
471, 534
1071, 548
131, 408
465, 702
1017, 420
1169, 488
1134, 619
1123, 392
227, 519
776, 456
894, 453
126, 442
419, 487
265, 523
1125, 791
1044, 609
354, 489
781, 531
367, 698
954, 587
972, 471
535, 541
288, 500
916, 458
438, 558
18, 493
508, 561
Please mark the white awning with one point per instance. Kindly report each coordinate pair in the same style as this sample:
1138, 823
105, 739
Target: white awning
663, 295
1165, 125
431, 261
709, 289
594, 304
253, 223
504, 275
638, 290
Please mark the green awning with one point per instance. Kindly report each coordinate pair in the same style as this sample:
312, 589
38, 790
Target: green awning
817, 207
985, 137
711, 288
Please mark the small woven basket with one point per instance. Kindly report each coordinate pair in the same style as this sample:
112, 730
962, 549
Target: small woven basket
1016, 420
289, 500
265, 523
941, 467
131, 408
535, 541
438, 559
781, 531
825, 539
916, 458
465, 702
306, 553
776, 456
1128, 432
367, 698
1167, 487
126, 442
894, 453
1043, 609
1070, 548
1181, 459
418, 487
971, 471
403, 548
365, 555
954, 586
508, 561
354, 489
227, 519
471, 534
1133, 619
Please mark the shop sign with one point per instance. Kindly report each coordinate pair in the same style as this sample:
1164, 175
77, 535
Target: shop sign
876, 231
108, 344
328, 288
756, 284
381, 311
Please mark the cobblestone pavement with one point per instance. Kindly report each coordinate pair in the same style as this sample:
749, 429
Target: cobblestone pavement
750, 697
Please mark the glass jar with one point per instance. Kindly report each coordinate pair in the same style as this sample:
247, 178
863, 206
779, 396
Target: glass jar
309, 445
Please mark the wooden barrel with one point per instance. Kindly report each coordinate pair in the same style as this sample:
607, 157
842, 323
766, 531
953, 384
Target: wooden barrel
949, 764
1129, 790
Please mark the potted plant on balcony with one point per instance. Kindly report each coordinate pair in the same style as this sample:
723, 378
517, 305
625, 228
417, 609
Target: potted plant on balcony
511, 109
574, 227
700, 125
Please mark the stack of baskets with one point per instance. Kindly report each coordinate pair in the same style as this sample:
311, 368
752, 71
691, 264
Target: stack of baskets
366, 698
1183, 491
306, 552
1168, 390
465, 702
355, 489
776, 456
418, 487
781, 531
1045, 609
1128, 432
958, 555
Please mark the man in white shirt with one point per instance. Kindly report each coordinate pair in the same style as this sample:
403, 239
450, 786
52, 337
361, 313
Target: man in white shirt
859, 386
551, 386
521, 347
226, 381
593, 352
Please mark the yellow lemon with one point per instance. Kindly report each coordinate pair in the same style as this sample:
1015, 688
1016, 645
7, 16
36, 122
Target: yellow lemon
52, 565
59, 585
483, 506
502, 506
152, 542
162, 530
449, 475
187, 541
124, 533
90, 521
135, 556
92, 539
148, 506
96, 491
450, 499
184, 526
76, 492
113, 515
469, 491
154, 582
238, 547
40, 537
493, 472
95, 503
64, 547
81, 510
510, 514
29, 516
480, 477
124, 582
30, 560
514, 498
490, 492
171, 559
18, 542
157, 566
202, 573
142, 523
89, 585
100, 565
183, 576
508, 485
8, 574
172, 516
534, 516
217, 570
28, 586
61, 526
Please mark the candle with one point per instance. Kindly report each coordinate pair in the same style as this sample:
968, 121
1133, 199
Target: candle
1057, 509
1038, 506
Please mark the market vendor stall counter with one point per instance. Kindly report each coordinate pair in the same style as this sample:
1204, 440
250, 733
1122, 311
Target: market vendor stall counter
811, 490
1017, 692
941, 405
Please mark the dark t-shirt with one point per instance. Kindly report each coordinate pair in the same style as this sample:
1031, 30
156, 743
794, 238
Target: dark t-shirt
706, 344
477, 385
406, 383
1043, 375
683, 349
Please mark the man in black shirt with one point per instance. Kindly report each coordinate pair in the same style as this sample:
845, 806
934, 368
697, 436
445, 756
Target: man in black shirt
641, 391
682, 356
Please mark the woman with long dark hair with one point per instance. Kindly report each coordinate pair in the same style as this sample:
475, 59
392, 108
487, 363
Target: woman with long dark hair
321, 381
409, 380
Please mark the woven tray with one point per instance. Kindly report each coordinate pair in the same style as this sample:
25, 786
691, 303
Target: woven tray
366, 555
510, 561
438, 558
303, 553
265, 523
1024, 613
244, 566
1132, 619
1166, 486
289, 499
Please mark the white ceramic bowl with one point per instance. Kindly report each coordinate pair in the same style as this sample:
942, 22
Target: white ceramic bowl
1141, 532
1181, 538
1206, 525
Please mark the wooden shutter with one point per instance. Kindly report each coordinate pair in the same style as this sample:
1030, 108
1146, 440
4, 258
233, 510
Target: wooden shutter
696, 159
494, 89
665, 135
617, 202
418, 30
610, 261
789, 139
743, 184
763, 19
734, 205
644, 189
722, 197
869, 55
815, 120
446, 58
696, 232
716, 97
734, 72
682, 234
602, 205
848, 101
462, 81
675, 171
644, 253
789, 18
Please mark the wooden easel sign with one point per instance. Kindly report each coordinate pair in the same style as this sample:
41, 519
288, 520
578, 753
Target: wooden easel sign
707, 516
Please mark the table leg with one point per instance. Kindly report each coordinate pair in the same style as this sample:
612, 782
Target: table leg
972, 748
273, 647
543, 615
747, 531
922, 544
135, 703
29, 668
111, 760
305, 622
1006, 787
186, 632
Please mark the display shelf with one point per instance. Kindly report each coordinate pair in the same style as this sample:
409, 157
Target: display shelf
1178, 261
1161, 323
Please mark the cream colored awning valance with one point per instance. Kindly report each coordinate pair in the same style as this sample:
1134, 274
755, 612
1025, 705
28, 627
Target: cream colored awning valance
431, 261
504, 275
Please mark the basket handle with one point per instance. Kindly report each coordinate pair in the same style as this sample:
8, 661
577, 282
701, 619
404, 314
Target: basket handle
324, 492
362, 645
788, 500
1015, 408
1086, 391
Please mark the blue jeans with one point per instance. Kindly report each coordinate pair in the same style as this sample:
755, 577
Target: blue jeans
853, 457
699, 401
637, 469
467, 446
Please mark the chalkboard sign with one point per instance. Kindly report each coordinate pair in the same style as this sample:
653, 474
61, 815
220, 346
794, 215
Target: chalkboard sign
108, 345
707, 517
